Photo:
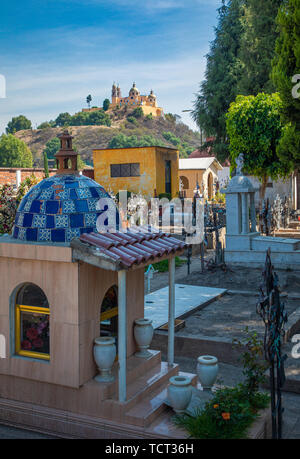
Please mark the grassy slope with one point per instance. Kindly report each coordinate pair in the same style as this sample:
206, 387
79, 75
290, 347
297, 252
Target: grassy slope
87, 138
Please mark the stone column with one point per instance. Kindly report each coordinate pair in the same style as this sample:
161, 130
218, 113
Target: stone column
252, 213
245, 214
171, 324
122, 335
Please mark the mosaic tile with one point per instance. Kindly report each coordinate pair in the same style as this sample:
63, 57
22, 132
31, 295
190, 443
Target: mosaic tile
44, 235
20, 219
58, 235
39, 221
71, 233
22, 233
81, 205
31, 234
62, 221
27, 222
68, 207
90, 219
92, 204
84, 193
35, 207
47, 194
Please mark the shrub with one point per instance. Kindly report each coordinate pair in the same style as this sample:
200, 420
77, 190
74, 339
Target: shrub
227, 415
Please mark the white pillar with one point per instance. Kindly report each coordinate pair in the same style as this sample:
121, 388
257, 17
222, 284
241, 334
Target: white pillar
122, 334
252, 212
171, 324
18, 178
245, 214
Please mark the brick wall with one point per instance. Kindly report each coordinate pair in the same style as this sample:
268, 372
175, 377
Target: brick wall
9, 175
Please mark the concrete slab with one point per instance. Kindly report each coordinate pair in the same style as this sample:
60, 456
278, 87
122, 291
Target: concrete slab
188, 298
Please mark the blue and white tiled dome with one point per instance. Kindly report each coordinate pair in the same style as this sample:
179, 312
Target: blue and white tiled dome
60, 208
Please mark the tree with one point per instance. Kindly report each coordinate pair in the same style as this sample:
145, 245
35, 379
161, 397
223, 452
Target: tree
80, 163
99, 118
18, 123
254, 128
14, 152
80, 119
46, 125
222, 74
106, 104
52, 147
63, 119
257, 46
138, 112
285, 74
89, 100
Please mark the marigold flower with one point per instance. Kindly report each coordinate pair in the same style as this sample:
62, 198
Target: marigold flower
216, 406
226, 416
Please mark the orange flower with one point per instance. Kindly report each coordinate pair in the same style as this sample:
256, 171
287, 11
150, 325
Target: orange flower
216, 406
226, 416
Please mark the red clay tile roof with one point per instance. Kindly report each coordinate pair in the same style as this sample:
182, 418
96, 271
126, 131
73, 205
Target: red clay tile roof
135, 246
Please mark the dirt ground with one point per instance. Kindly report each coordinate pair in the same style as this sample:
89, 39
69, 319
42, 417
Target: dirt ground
227, 318
234, 278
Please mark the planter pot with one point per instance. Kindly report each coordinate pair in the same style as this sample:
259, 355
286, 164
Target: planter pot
179, 393
104, 354
207, 370
143, 334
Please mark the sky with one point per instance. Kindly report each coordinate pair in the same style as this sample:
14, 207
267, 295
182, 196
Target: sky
54, 53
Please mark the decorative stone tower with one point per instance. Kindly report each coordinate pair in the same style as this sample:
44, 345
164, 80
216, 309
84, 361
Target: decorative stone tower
114, 94
66, 157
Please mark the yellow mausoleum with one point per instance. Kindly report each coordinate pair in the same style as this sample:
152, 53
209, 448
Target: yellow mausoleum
148, 170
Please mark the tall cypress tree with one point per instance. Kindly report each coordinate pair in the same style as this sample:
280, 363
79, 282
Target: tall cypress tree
258, 46
285, 74
219, 88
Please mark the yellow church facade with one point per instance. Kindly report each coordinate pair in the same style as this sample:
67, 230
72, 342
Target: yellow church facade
135, 99
150, 171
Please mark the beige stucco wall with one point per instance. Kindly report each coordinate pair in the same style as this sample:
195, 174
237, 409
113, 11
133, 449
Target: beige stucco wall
59, 281
75, 292
198, 174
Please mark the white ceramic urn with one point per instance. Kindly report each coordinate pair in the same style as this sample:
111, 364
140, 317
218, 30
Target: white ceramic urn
105, 354
207, 370
143, 334
179, 393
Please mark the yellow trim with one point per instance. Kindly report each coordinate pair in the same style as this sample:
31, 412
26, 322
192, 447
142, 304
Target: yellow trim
109, 314
36, 310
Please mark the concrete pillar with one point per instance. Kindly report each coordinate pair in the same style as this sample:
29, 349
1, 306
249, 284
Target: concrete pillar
18, 178
171, 324
245, 214
122, 335
252, 212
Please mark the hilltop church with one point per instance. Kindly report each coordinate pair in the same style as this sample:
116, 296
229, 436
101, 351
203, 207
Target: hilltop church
148, 103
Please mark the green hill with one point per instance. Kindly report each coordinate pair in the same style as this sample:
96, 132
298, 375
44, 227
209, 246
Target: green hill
125, 130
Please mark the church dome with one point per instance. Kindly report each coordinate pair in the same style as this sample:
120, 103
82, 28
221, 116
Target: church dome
134, 90
60, 208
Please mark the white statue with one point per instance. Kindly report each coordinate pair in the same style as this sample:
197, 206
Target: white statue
239, 164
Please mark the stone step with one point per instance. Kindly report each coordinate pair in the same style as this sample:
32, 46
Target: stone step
146, 411
276, 244
139, 389
136, 367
